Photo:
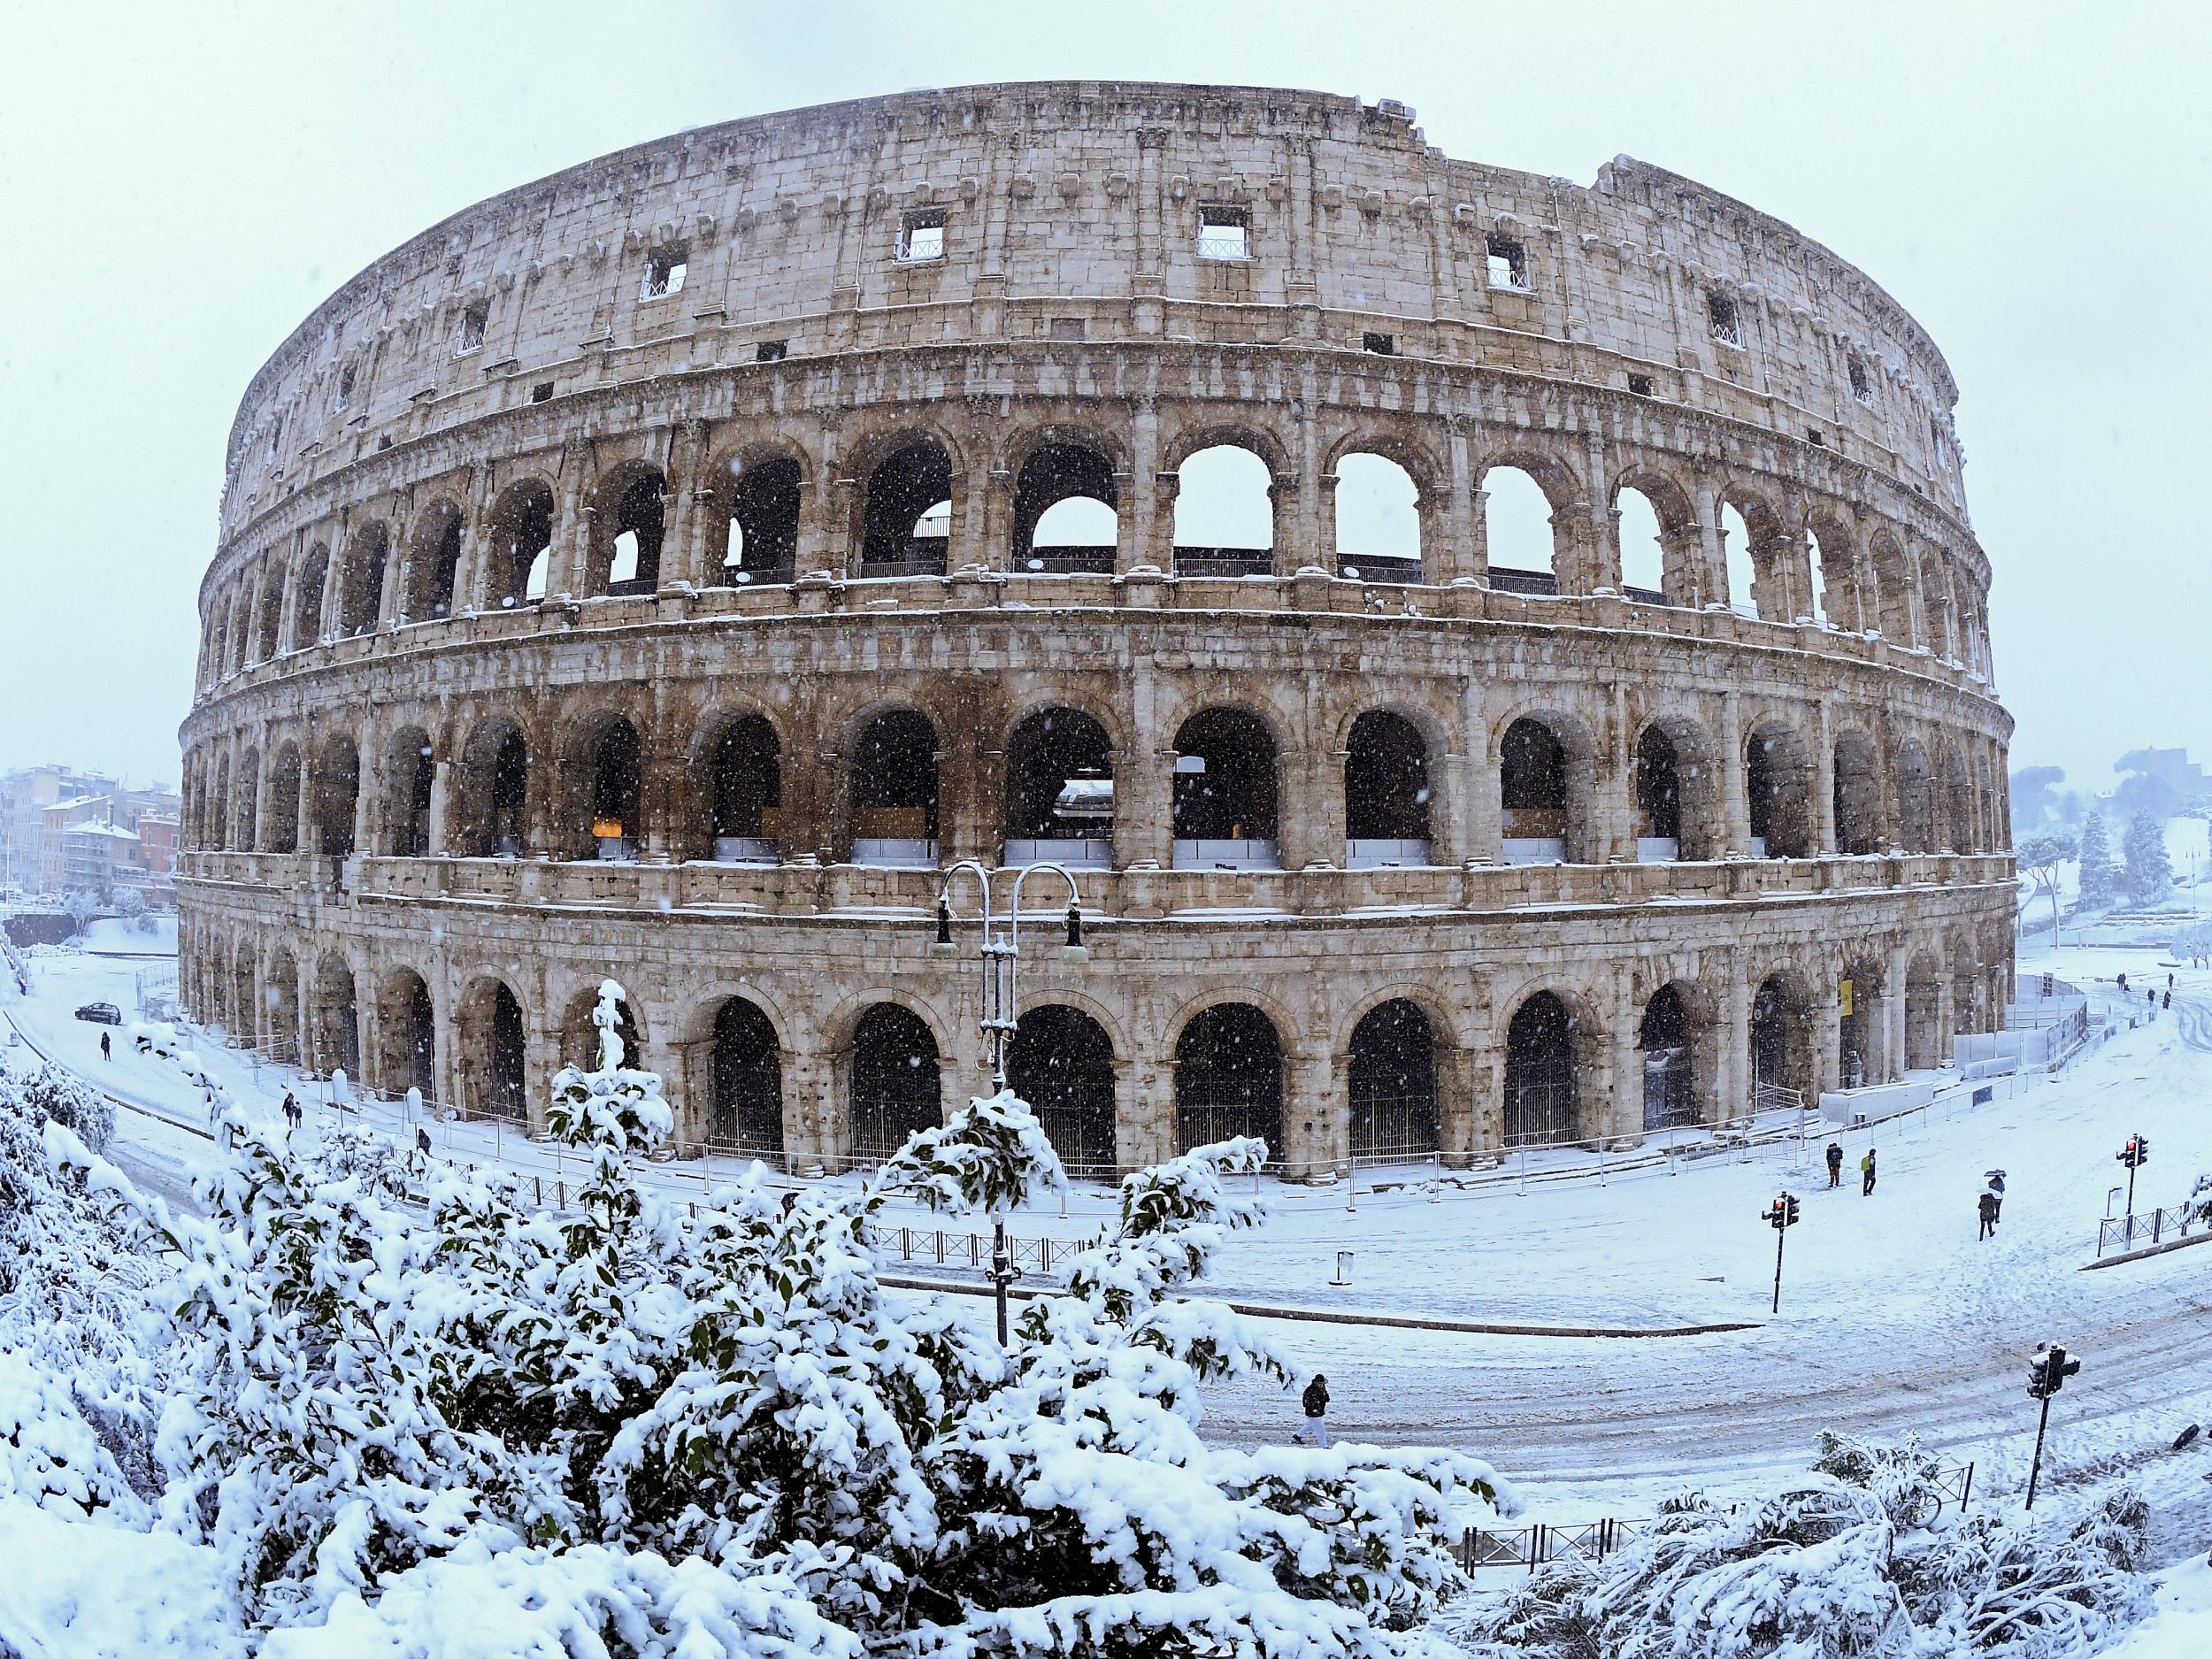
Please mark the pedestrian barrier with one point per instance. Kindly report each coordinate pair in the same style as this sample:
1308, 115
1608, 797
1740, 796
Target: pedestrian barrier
2145, 1228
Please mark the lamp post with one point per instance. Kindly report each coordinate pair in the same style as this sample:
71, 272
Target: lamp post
1002, 968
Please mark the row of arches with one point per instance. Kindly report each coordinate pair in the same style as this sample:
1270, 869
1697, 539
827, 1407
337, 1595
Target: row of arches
919, 501
1563, 1068
605, 784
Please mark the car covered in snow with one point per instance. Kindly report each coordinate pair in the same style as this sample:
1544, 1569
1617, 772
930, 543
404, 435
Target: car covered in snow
101, 1013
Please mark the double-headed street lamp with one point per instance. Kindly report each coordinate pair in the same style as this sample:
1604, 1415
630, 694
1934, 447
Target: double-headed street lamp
1002, 1009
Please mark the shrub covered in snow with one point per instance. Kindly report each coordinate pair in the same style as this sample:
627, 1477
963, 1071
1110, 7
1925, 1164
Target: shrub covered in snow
1855, 1560
636, 1429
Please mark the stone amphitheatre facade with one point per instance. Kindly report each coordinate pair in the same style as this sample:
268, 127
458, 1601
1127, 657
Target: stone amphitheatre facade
653, 572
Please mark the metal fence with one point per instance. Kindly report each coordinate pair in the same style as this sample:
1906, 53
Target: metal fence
2146, 1228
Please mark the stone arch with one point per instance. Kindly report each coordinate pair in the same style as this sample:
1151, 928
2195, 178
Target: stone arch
1379, 509
334, 794
249, 799
1388, 790
280, 1005
758, 497
1227, 511
1935, 597
269, 624
1390, 1084
745, 1110
433, 562
1061, 1061
1860, 828
1673, 531
336, 1021
579, 1036
1894, 581
491, 798
628, 526
1502, 483
1777, 772
1862, 1044
1546, 771
1228, 1076
492, 1034
518, 559
407, 1024
361, 581
1060, 471
307, 603
1676, 780
895, 1081
734, 807
1843, 603
1677, 1038
1059, 789
411, 779
1549, 1049
910, 478
602, 783
1781, 1034
893, 782
284, 800
1225, 795
1955, 815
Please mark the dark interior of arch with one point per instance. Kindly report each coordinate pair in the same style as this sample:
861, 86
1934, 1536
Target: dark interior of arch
419, 1039
1539, 1073
894, 777
1235, 797
1053, 474
362, 595
1392, 1079
415, 774
522, 528
764, 509
895, 1081
1858, 797
504, 1074
1775, 785
748, 1079
905, 484
336, 784
307, 607
284, 802
1060, 1062
1658, 785
1386, 780
1669, 1061
1229, 1078
1533, 781
641, 513
1046, 752
746, 788
618, 776
437, 565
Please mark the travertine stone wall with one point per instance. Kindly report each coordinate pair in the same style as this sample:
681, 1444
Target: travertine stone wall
1642, 333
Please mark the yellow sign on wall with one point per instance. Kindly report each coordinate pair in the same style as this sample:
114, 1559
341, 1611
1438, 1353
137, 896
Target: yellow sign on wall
1845, 990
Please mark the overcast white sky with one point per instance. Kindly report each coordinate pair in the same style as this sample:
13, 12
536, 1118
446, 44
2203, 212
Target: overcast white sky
179, 185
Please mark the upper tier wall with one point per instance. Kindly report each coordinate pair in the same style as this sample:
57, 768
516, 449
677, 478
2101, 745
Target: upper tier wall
790, 225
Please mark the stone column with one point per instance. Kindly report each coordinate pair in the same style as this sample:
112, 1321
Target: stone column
1456, 551
1894, 1005
1312, 1116
1827, 1035
1623, 1115
1457, 1108
1824, 780
1715, 552
1734, 800
1137, 533
1734, 1082
568, 561
441, 788
1482, 805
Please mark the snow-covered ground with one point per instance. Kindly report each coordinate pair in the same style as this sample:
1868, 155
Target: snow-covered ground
1894, 1316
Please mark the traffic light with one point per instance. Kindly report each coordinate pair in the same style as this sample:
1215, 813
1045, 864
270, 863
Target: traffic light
1791, 1200
2136, 1153
1782, 1212
2048, 1368
2061, 1368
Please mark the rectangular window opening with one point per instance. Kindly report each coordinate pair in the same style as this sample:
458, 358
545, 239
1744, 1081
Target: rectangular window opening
542, 392
1507, 263
1067, 328
1381, 345
1813, 436
345, 386
1641, 385
922, 235
1861, 387
1720, 310
769, 351
472, 322
664, 272
1225, 233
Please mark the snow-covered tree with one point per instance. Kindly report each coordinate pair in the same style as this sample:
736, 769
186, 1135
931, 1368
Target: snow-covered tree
2041, 859
2099, 881
642, 1426
1856, 1560
2149, 874
82, 904
130, 904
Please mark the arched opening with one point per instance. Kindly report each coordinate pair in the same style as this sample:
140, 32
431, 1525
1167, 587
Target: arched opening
748, 1081
1385, 793
1229, 1079
1224, 793
1643, 549
411, 1028
1532, 793
307, 604
1061, 1062
895, 791
519, 569
1378, 520
220, 825
1518, 526
1065, 510
436, 564
763, 523
1391, 1077
745, 792
1958, 804
492, 1039
215, 643
1736, 557
1670, 1055
413, 774
361, 593
1858, 795
1894, 584
281, 1008
336, 787
495, 785
1968, 1013
895, 1089
627, 560
269, 629
580, 1034
1926, 1043
1059, 790
1658, 798
1858, 1028
1541, 1104
337, 1023
1781, 1046
284, 802
906, 523
1821, 602
1777, 789
1935, 587
1224, 513
617, 779
1915, 798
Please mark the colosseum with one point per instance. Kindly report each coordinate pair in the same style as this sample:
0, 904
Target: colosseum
673, 568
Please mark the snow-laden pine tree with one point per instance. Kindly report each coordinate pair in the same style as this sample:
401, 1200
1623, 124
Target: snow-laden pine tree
2149, 873
634, 1428
2100, 882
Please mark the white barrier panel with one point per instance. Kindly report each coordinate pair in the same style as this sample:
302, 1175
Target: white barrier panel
1874, 1104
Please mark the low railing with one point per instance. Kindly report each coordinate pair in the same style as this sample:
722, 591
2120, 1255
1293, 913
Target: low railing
2147, 1227
1068, 561
1236, 562
1379, 567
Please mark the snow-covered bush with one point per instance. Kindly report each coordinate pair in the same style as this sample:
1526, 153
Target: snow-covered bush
351, 1152
1855, 1561
46, 1094
632, 1427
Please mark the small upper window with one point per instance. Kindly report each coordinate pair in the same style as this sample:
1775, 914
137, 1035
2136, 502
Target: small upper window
1381, 345
665, 269
1641, 385
1067, 328
1507, 263
1225, 233
921, 234
542, 392
473, 321
345, 386
1861, 387
769, 351
1720, 310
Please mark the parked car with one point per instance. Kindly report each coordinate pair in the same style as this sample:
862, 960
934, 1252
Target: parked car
101, 1013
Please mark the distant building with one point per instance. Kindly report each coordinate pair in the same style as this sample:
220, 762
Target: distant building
25, 794
41, 805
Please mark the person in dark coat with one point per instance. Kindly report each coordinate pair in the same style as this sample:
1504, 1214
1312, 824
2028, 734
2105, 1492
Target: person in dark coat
105, 1052
1835, 1163
1316, 1400
1866, 1174
1988, 1207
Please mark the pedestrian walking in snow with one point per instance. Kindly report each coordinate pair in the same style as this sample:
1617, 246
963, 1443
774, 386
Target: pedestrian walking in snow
422, 1145
291, 1110
1987, 1205
1835, 1163
2123, 984
2165, 1003
1316, 1400
1866, 1174
105, 1052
